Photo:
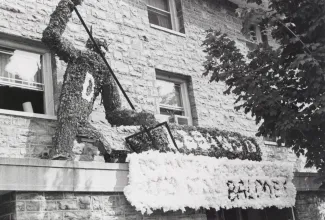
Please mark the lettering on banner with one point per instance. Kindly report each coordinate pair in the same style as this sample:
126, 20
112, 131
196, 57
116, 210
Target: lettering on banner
254, 189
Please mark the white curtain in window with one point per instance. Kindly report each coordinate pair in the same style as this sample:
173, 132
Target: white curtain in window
21, 67
4, 60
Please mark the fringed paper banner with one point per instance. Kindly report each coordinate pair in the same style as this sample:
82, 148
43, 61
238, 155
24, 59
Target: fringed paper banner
172, 182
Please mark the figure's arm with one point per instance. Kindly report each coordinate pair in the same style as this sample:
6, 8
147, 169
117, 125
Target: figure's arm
110, 94
52, 35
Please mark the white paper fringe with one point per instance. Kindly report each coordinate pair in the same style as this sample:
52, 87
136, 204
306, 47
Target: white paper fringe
172, 182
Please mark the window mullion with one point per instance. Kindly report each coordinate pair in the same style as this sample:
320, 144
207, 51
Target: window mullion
186, 104
173, 15
258, 34
48, 86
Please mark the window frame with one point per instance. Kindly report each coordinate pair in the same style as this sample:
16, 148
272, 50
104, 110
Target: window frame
258, 34
28, 45
169, 77
173, 16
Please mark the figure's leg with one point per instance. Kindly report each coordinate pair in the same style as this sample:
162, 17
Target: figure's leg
66, 131
89, 131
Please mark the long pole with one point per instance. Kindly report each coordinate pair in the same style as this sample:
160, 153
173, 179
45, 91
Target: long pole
103, 57
117, 81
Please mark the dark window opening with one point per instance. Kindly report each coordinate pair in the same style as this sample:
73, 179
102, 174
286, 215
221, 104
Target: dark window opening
165, 111
272, 213
252, 32
263, 34
230, 6
12, 98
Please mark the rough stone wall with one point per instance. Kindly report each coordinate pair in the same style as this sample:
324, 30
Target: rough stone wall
310, 205
135, 50
7, 207
24, 137
90, 206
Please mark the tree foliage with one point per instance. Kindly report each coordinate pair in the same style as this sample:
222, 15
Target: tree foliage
283, 87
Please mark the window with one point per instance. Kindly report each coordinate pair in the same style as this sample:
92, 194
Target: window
257, 34
25, 76
270, 138
167, 14
173, 97
251, 214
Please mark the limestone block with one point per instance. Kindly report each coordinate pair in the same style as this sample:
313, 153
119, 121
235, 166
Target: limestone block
20, 206
96, 202
53, 216
77, 215
84, 202
68, 204
33, 206
51, 206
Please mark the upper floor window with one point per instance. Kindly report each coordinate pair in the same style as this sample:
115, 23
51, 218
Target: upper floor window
173, 98
257, 34
25, 77
167, 14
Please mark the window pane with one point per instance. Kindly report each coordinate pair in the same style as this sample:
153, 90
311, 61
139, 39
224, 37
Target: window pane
253, 214
278, 214
21, 69
161, 4
12, 98
159, 18
252, 33
170, 93
230, 214
268, 138
165, 111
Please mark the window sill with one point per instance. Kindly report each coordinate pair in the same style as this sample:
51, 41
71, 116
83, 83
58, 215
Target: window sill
270, 143
273, 143
27, 114
167, 30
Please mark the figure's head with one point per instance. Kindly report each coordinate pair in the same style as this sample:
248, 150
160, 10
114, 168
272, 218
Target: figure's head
102, 44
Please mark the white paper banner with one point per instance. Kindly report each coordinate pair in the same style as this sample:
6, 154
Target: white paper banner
171, 181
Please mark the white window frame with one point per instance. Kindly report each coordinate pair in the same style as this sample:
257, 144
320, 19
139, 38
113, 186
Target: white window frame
184, 95
173, 16
17, 43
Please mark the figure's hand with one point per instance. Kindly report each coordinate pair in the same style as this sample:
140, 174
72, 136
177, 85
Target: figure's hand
77, 2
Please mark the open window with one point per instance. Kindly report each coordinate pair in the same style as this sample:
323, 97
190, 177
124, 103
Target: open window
174, 104
25, 77
167, 14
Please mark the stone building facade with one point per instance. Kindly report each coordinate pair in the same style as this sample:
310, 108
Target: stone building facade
138, 52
